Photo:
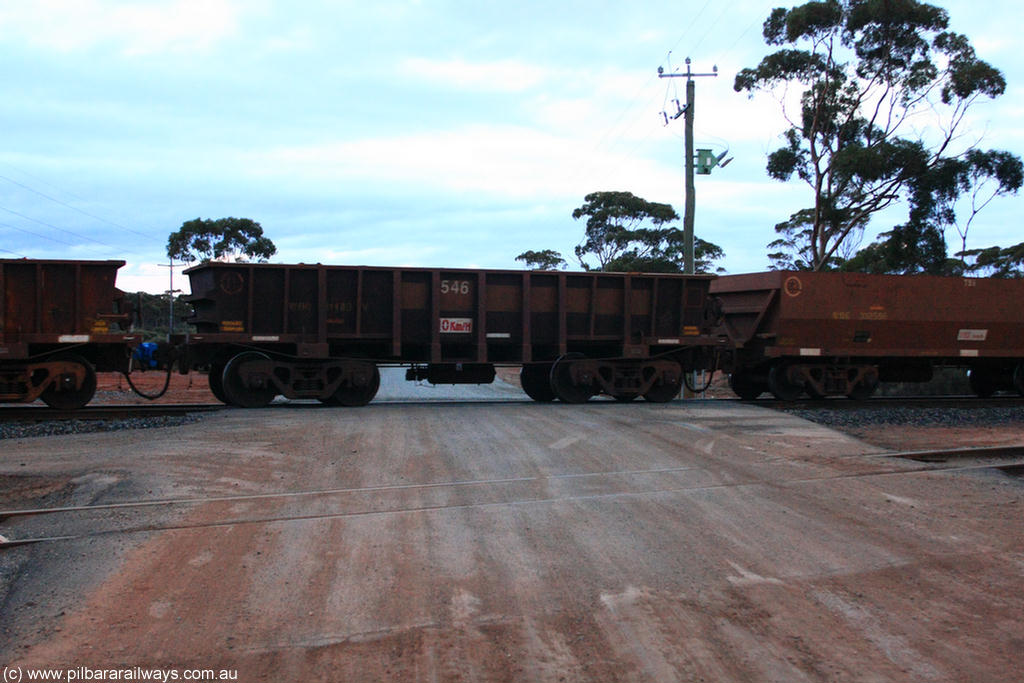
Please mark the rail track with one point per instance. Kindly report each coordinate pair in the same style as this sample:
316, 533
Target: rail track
965, 402
993, 454
493, 492
41, 413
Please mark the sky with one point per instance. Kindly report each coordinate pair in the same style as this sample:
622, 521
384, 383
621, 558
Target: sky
424, 133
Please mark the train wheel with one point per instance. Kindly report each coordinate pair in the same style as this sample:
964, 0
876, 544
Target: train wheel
216, 380
356, 396
254, 394
1018, 379
664, 392
813, 393
561, 382
863, 389
781, 387
536, 382
66, 396
744, 386
983, 384
809, 386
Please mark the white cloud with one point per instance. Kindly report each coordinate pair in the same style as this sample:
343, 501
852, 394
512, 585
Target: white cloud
293, 40
504, 161
141, 276
399, 256
130, 27
505, 75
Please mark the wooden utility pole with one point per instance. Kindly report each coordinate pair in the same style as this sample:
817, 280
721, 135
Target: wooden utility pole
170, 295
690, 200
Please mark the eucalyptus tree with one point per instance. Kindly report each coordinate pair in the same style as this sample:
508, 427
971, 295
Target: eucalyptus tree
204, 239
545, 259
876, 94
627, 233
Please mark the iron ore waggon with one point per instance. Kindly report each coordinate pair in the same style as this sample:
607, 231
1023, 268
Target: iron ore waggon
316, 331
60, 323
842, 333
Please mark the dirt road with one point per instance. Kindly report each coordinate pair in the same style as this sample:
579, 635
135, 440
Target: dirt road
510, 542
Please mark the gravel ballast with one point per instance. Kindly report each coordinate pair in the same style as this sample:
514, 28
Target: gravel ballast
21, 430
912, 416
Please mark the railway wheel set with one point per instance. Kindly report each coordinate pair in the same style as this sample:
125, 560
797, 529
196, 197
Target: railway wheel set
70, 381
321, 332
577, 379
986, 381
792, 381
252, 379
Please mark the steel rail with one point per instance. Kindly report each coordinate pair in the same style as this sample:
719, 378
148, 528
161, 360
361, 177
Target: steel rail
41, 413
20, 413
928, 468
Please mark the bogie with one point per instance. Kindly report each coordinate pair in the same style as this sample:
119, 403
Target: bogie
73, 383
246, 380
360, 387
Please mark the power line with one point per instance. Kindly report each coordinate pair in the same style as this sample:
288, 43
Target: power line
633, 103
75, 208
743, 34
47, 237
693, 22
43, 181
54, 227
615, 127
710, 28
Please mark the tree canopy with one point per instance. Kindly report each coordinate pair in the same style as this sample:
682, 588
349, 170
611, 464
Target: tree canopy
546, 259
204, 240
866, 72
919, 245
616, 238
995, 261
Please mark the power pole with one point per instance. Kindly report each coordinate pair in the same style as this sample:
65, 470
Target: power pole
690, 200
170, 296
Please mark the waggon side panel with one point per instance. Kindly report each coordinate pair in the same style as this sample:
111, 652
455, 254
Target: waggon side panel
47, 303
877, 316
444, 315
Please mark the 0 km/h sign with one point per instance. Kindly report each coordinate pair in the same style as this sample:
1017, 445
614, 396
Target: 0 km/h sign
456, 325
